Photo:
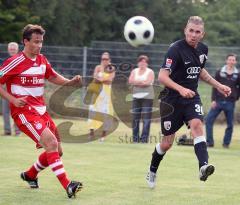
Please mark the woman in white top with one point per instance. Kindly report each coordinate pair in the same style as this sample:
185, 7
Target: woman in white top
141, 79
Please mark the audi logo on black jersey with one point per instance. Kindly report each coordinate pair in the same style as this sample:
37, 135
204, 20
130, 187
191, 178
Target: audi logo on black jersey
193, 70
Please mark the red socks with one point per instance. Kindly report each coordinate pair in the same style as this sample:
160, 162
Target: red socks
53, 160
38, 166
56, 165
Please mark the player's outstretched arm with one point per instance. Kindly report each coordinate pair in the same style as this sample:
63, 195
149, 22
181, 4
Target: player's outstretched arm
60, 80
164, 79
206, 77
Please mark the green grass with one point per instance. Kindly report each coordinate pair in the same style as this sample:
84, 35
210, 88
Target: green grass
113, 172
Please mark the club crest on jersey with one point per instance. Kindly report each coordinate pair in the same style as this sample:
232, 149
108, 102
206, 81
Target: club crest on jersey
202, 58
168, 62
167, 125
38, 125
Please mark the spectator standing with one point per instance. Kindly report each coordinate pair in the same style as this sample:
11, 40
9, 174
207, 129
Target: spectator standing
227, 75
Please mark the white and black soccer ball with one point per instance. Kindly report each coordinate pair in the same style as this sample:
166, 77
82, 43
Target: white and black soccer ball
138, 31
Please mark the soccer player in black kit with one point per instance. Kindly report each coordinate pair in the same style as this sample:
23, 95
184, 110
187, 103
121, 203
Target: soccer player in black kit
180, 102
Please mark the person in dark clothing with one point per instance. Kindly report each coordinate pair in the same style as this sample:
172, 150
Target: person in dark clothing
230, 76
183, 65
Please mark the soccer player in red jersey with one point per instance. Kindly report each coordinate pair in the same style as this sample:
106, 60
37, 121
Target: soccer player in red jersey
24, 75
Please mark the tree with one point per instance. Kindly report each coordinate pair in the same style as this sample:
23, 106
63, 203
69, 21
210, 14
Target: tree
14, 14
223, 22
77, 23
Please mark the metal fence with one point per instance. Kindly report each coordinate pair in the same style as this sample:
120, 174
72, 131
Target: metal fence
70, 61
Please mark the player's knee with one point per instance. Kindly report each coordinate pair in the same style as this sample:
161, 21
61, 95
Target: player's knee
196, 126
52, 144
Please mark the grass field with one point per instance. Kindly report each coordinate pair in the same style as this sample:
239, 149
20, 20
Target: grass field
114, 172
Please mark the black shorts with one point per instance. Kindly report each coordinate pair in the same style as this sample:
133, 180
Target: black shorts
175, 111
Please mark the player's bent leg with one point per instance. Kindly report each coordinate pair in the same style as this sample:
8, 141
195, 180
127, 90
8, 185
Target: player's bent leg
49, 141
167, 142
27, 124
200, 148
196, 127
157, 156
30, 176
50, 144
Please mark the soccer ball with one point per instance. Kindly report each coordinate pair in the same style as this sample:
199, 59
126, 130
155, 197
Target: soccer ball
138, 31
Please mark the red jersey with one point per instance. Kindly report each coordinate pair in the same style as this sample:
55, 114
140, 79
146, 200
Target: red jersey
26, 77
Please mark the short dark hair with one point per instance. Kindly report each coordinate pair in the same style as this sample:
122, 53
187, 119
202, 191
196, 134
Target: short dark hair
141, 57
29, 29
231, 54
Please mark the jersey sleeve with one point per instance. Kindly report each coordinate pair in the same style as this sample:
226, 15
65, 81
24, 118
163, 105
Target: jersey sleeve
171, 59
6, 71
205, 57
50, 72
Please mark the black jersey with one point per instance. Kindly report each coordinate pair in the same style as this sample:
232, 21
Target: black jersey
185, 63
